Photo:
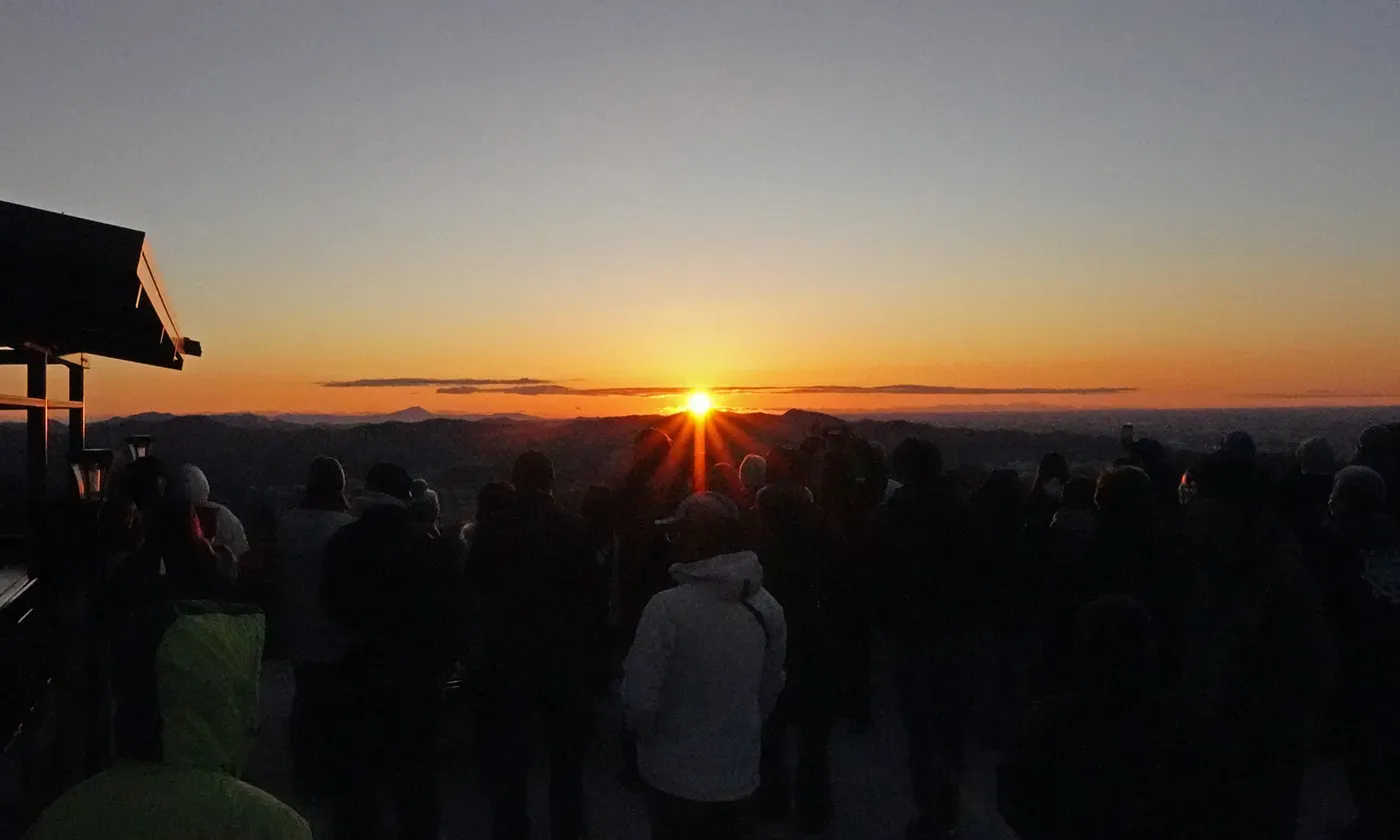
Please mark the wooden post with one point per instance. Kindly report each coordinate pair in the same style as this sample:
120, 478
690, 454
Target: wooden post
77, 417
37, 440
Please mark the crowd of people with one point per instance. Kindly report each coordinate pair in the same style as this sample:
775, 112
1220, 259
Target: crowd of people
1159, 652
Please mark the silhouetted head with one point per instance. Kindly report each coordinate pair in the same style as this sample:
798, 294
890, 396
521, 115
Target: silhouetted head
705, 525
533, 473
1375, 449
419, 488
1315, 457
1079, 494
724, 479
325, 486
1228, 480
496, 497
1117, 648
650, 448
391, 480
1002, 496
753, 473
1239, 444
426, 507
781, 466
916, 462
1125, 494
1053, 467
1357, 491
144, 482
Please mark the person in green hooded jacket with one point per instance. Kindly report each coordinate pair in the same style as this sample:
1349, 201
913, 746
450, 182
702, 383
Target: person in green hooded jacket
185, 681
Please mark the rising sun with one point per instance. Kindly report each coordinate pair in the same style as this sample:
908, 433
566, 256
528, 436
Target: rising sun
699, 403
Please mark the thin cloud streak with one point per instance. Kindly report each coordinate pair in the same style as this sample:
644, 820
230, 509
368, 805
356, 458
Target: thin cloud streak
414, 382
1322, 395
554, 389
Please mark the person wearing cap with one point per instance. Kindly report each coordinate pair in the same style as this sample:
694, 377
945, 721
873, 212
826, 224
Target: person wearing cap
396, 594
1361, 575
703, 673
543, 598
315, 645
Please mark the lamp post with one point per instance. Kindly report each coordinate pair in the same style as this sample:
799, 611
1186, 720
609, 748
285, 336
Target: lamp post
138, 446
91, 468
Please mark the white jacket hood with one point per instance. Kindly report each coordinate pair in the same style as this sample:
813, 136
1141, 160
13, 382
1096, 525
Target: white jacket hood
732, 576
190, 485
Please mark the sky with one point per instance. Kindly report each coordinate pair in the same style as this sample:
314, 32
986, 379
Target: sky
1057, 202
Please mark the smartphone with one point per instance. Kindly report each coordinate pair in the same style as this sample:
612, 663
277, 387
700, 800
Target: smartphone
1125, 435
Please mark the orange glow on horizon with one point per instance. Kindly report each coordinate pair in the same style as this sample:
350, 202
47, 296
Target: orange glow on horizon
699, 404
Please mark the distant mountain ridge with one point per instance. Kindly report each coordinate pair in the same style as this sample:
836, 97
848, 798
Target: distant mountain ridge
413, 414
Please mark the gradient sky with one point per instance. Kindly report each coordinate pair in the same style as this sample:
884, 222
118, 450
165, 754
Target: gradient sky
1197, 200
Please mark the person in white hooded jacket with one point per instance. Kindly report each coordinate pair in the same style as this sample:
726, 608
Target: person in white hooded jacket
704, 671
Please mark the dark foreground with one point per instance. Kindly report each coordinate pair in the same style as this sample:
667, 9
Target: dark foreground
867, 770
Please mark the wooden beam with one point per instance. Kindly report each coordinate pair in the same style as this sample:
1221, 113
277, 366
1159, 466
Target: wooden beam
12, 403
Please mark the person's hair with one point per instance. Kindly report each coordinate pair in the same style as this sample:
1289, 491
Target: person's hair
389, 479
1239, 444
1236, 482
1315, 457
1002, 496
1117, 645
724, 479
533, 473
496, 497
1052, 465
427, 507
1358, 490
916, 461
753, 472
144, 482
782, 465
1125, 493
325, 486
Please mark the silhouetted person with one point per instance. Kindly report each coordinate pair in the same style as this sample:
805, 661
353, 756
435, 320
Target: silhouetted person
425, 507
753, 472
800, 569
493, 498
1072, 527
704, 672
397, 595
926, 599
724, 479
316, 645
650, 491
1047, 491
1361, 580
221, 527
1239, 444
1010, 598
1379, 449
185, 686
1116, 757
1260, 660
164, 554
538, 578
1304, 494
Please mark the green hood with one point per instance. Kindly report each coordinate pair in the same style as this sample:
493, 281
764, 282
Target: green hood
186, 686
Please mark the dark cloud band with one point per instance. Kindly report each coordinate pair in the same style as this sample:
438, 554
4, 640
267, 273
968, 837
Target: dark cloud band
413, 382
554, 389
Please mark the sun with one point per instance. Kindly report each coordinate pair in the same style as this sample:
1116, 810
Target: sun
699, 403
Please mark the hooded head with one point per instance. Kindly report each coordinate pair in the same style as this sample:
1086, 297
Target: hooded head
189, 485
388, 484
1239, 444
916, 462
1315, 457
185, 681
1125, 494
1375, 449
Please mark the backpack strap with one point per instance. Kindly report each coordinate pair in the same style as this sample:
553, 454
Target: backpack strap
762, 622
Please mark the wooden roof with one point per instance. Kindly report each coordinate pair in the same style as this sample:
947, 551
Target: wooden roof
71, 285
